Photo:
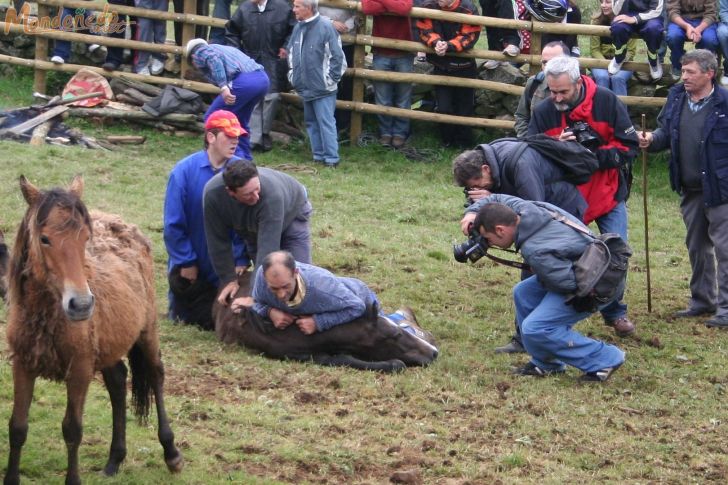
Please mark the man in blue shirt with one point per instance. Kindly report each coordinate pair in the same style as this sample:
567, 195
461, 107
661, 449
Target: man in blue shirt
242, 82
193, 282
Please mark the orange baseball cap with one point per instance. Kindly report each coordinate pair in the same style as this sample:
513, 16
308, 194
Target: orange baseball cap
225, 121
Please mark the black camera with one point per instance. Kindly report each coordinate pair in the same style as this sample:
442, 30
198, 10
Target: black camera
585, 135
468, 200
471, 250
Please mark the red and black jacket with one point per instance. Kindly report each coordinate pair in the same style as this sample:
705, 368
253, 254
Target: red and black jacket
459, 37
608, 116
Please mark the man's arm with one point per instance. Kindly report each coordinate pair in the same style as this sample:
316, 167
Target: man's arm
176, 230
654, 11
338, 60
622, 148
340, 304
234, 30
217, 233
554, 272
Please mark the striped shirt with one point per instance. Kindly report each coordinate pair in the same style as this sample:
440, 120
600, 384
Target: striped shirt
221, 64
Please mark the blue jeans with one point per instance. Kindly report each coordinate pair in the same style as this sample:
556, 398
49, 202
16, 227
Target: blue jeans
398, 95
318, 114
249, 89
617, 83
722, 32
62, 48
220, 11
676, 40
546, 322
614, 221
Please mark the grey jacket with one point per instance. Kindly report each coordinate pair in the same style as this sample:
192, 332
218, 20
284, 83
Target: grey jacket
315, 59
527, 103
548, 246
282, 199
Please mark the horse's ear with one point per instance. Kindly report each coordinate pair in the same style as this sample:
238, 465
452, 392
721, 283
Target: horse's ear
30, 191
76, 187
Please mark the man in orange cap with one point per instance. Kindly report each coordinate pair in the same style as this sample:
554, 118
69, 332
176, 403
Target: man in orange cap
192, 279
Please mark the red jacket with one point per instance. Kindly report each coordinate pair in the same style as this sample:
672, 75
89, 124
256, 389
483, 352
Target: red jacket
389, 26
608, 116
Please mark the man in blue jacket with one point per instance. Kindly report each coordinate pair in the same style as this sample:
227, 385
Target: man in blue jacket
544, 312
694, 125
316, 63
192, 279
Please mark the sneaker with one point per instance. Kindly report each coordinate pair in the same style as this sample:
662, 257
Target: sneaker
600, 375
58, 60
398, 141
331, 164
385, 140
157, 67
724, 80
676, 73
531, 369
97, 52
718, 321
656, 71
109, 66
511, 50
144, 71
491, 64
614, 67
623, 326
513, 347
693, 312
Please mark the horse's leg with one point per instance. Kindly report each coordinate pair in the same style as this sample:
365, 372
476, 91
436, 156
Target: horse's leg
115, 381
149, 345
77, 384
346, 360
18, 425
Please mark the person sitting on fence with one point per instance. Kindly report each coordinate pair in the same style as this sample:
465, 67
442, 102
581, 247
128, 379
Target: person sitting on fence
643, 17
115, 55
573, 16
151, 31
85, 22
722, 31
289, 292
694, 21
602, 48
450, 37
500, 39
545, 311
242, 82
536, 90
393, 130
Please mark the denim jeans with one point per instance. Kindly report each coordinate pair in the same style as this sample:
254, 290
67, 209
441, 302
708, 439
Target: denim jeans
617, 83
62, 48
220, 11
614, 221
318, 114
546, 324
676, 40
398, 95
722, 32
249, 89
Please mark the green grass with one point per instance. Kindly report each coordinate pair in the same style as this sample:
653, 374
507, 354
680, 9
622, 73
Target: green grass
242, 418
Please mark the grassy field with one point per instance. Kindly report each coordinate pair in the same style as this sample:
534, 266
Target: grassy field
242, 418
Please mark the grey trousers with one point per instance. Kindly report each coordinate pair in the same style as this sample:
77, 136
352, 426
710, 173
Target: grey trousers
707, 242
262, 118
151, 31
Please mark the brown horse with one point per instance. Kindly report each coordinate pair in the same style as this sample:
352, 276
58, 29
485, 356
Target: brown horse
3, 266
370, 342
81, 296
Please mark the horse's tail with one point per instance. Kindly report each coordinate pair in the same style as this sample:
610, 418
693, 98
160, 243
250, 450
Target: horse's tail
141, 386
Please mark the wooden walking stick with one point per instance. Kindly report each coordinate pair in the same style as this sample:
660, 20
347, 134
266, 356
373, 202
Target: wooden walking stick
647, 230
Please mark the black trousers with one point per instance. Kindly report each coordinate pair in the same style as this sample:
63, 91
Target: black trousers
453, 100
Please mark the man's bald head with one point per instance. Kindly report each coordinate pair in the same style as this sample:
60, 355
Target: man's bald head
279, 271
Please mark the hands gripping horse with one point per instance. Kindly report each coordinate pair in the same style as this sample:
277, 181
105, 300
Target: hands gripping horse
371, 342
81, 297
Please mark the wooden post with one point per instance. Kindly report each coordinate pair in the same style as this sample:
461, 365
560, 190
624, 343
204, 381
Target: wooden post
357, 94
535, 51
188, 33
41, 54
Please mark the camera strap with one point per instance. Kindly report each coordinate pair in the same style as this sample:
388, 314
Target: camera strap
508, 262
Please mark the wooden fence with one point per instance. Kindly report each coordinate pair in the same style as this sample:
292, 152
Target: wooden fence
357, 71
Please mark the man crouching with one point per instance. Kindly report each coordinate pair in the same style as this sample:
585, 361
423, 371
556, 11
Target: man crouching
550, 247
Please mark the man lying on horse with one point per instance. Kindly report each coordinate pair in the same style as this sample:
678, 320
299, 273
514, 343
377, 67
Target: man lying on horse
289, 292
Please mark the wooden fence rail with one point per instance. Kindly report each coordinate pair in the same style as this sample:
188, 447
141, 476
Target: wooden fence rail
357, 71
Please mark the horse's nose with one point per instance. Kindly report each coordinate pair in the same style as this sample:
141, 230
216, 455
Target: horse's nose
435, 354
80, 307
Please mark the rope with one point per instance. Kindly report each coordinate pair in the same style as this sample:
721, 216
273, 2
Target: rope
288, 167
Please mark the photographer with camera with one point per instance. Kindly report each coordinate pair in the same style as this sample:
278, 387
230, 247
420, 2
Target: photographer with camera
546, 309
580, 110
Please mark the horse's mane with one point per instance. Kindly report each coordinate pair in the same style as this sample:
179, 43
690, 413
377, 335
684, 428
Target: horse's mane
27, 240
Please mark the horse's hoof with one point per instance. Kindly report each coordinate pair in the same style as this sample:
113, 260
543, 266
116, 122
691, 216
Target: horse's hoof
111, 469
175, 464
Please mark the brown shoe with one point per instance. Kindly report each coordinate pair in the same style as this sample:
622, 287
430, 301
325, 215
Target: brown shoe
398, 141
385, 140
623, 326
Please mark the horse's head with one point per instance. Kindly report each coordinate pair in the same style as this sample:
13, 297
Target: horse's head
51, 246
